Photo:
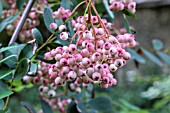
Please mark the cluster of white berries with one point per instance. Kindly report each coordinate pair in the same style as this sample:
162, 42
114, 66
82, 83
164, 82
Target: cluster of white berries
117, 5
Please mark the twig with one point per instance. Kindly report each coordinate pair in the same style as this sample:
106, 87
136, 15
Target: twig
22, 21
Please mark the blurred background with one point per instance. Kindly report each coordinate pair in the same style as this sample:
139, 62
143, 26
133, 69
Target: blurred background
144, 83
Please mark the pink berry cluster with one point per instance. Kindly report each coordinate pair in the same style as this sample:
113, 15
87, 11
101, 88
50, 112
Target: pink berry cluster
48, 87
57, 104
31, 22
93, 58
117, 5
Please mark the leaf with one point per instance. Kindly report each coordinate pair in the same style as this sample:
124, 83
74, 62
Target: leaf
164, 57
22, 69
4, 94
26, 52
28, 107
5, 111
152, 57
3, 86
7, 58
7, 48
81, 106
72, 108
32, 70
126, 23
1, 8
20, 4
65, 4
45, 107
100, 104
37, 35
105, 2
136, 56
48, 19
1, 104
157, 44
128, 13
70, 28
7, 21
129, 105
5, 73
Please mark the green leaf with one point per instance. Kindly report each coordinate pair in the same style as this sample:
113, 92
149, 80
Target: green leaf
81, 106
28, 107
48, 19
129, 105
1, 8
22, 69
157, 44
32, 70
65, 4
152, 57
5, 111
37, 35
164, 57
1, 104
126, 23
7, 21
128, 13
4, 94
72, 108
136, 56
45, 107
106, 4
3, 86
26, 52
20, 4
100, 104
5, 73
7, 58
7, 48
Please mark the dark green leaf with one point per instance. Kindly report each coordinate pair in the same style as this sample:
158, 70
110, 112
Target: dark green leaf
28, 107
106, 4
48, 19
128, 13
65, 4
22, 69
7, 58
53, 45
4, 94
20, 4
7, 21
164, 57
37, 35
5, 111
81, 106
157, 44
1, 104
5, 73
72, 108
126, 23
45, 107
152, 57
32, 70
7, 48
100, 104
26, 52
136, 56
3, 86
1, 8
70, 28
